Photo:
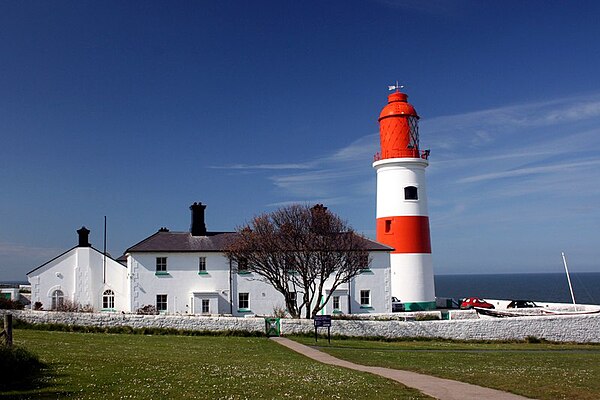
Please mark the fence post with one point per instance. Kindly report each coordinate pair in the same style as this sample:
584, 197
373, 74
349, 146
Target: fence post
8, 329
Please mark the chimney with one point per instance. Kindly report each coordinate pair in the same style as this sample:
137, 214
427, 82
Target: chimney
198, 227
84, 237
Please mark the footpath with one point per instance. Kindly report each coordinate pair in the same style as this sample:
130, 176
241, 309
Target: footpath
442, 389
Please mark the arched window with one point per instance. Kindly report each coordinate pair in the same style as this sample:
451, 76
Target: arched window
411, 193
108, 299
58, 299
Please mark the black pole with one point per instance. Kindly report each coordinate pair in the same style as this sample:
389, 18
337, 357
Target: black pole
104, 266
231, 288
8, 329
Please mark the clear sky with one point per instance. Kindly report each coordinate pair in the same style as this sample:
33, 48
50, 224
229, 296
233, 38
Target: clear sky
136, 109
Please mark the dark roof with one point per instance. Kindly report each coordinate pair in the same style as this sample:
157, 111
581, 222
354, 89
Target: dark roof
372, 245
183, 242
213, 241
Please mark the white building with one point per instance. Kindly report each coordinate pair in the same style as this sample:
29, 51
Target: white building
81, 275
188, 273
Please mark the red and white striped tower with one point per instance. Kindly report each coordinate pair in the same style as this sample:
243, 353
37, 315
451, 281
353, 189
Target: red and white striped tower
402, 218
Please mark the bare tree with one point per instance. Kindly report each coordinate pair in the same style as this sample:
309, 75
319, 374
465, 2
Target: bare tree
298, 249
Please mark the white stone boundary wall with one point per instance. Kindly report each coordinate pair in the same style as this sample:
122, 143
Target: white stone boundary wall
563, 328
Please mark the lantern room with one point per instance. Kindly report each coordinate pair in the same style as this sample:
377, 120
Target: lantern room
399, 129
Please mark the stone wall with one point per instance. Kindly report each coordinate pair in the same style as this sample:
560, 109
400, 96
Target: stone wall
564, 328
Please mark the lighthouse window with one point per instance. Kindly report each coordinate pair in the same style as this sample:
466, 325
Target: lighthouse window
413, 124
388, 225
410, 193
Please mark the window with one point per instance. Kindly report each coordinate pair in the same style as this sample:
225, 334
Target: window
58, 299
364, 261
411, 193
205, 306
289, 263
108, 299
336, 302
242, 265
243, 301
365, 298
161, 302
161, 264
202, 265
388, 226
292, 297
413, 125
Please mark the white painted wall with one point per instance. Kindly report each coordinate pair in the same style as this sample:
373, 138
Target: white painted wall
412, 277
78, 273
377, 281
185, 288
393, 175
575, 328
181, 281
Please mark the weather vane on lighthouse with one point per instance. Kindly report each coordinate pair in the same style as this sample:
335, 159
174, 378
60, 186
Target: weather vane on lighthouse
395, 87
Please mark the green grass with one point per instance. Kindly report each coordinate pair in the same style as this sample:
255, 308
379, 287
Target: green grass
541, 370
107, 366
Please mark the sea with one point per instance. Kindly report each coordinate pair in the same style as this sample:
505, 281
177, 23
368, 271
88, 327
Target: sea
549, 287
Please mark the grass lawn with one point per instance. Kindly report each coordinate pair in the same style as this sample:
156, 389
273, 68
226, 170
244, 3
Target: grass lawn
113, 366
541, 371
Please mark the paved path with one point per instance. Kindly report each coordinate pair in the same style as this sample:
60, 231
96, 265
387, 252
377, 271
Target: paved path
443, 389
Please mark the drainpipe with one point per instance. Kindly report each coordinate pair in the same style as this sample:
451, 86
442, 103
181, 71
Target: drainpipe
230, 289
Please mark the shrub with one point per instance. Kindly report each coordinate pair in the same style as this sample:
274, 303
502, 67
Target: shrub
68, 306
279, 312
19, 368
148, 309
535, 339
8, 304
38, 306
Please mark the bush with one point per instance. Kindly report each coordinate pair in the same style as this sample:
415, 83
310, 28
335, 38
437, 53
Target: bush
148, 309
38, 306
279, 312
19, 368
8, 304
68, 306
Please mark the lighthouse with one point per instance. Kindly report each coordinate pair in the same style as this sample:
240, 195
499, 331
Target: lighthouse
402, 217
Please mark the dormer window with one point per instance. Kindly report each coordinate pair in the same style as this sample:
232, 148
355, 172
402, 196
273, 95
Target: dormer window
411, 193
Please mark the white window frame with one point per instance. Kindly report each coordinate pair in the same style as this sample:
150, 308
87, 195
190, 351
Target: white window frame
161, 301
108, 299
205, 306
365, 298
201, 264
334, 300
244, 301
161, 264
58, 299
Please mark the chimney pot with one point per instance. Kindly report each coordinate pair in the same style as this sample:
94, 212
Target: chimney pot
198, 227
84, 237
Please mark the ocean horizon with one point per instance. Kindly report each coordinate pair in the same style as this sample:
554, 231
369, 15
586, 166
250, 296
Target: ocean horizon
543, 287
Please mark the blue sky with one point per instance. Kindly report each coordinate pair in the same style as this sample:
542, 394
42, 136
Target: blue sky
135, 110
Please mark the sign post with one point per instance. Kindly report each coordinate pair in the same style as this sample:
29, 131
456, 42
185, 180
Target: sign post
7, 332
323, 321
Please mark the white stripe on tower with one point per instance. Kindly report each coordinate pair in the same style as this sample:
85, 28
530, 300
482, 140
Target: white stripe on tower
402, 216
